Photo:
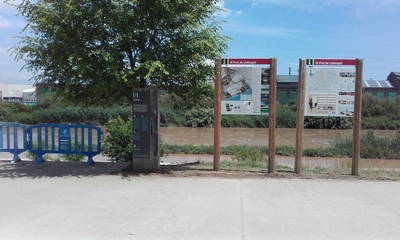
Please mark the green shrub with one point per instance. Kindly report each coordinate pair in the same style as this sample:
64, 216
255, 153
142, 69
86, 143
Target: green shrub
328, 122
244, 121
169, 117
285, 117
63, 157
118, 143
200, 117
250, 157
35, 145
285, 150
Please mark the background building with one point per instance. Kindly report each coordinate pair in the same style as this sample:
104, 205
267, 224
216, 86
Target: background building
286, 86
29, 96
17, 93
390, 88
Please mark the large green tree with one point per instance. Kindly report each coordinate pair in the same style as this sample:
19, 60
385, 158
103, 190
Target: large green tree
99, 51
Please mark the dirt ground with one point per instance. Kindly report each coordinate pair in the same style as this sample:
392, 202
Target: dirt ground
189, 170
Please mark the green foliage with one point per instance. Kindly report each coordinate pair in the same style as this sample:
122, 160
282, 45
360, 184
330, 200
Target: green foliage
328, 122
371, 146
285, 116
76, 157
371, 106
189, 149
381, 122
35, 145
285, 150
169, 118
9, 109
242, 121
380, 114
250, 156
99, 51
200, 117
326, 152
118, 143
90, 115
63, 157
172, 110
201, 97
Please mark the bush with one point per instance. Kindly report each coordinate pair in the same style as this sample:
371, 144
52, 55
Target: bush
118, 143
244, 121
169, 118
285, 117
328, 122
64, 157
250, 157
200, 117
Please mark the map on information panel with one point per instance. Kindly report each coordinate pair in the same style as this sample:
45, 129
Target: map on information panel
245, 90
330, 91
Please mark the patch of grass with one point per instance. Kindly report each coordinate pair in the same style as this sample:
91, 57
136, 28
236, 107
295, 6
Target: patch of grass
239, 166
285, 151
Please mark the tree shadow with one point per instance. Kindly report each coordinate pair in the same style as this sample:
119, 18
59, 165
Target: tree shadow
52, 169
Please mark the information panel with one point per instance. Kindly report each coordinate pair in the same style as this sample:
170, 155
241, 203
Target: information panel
330, 90
146, 125
141, 121
245, 86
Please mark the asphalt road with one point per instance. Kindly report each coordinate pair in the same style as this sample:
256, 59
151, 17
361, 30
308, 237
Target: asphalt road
70, 201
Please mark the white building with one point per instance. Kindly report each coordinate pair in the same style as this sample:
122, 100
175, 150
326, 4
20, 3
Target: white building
18, 93
29, 96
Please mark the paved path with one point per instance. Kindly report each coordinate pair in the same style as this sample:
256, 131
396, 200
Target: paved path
70, 201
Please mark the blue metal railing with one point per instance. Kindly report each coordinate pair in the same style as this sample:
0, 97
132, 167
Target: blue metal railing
12, 139
64, 139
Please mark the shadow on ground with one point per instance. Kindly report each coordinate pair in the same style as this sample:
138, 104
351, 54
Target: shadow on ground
58, 169
26, 169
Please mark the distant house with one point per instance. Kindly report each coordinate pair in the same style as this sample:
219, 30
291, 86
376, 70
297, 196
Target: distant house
29, 96
394, 78
13, 92
287, 87
380, 88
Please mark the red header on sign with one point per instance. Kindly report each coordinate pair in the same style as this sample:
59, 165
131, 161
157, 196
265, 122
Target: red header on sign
249, 61
337, 62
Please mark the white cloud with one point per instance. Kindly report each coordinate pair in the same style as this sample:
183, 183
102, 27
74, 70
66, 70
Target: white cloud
4, 53
4, 23
9, 9
358, 7
226, 12
238, 13
264, 31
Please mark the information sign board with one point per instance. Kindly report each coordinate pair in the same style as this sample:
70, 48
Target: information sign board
141, 117
245, 86
330, 88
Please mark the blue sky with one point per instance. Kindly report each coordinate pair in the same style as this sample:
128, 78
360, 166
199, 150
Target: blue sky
293, 29
285, 29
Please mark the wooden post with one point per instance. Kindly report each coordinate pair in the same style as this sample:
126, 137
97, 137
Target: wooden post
217, 115
272, 116
300, 116
357, 117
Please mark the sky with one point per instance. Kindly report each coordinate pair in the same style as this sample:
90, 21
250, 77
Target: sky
284, 29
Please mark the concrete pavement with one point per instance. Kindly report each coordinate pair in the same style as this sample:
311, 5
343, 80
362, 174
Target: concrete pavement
70, 201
